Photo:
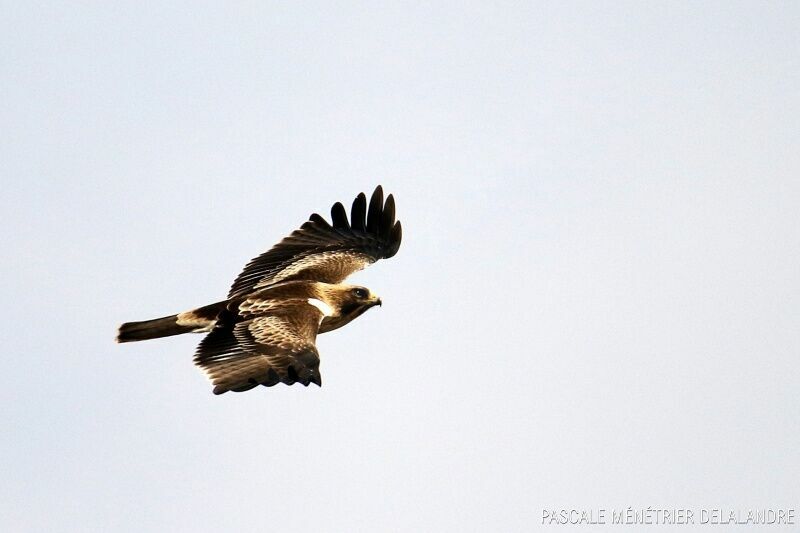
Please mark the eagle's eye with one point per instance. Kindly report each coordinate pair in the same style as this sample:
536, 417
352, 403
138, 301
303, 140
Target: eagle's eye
360, 293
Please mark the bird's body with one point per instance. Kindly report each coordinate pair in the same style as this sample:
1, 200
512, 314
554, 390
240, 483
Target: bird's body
265, 332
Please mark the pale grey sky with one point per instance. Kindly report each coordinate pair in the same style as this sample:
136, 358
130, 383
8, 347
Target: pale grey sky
596, 303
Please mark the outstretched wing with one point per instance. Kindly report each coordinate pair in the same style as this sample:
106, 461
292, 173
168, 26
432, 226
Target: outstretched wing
326, 252
264, 350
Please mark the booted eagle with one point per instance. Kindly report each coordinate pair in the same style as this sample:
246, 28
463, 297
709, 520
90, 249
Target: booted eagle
265, 332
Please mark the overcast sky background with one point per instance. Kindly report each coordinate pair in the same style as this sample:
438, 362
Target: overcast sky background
596, 302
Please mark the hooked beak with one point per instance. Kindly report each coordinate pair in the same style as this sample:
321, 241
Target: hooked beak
378, 302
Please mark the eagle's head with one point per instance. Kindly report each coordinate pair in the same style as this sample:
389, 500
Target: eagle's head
351, 298
351, 301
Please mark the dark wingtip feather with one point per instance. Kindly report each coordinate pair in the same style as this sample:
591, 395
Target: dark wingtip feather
387, 218
319, 219
339, 216
375, 209
291, 376
358, 214
272, 378
220, 389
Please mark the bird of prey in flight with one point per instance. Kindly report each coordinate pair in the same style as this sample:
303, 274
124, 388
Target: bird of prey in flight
264, 333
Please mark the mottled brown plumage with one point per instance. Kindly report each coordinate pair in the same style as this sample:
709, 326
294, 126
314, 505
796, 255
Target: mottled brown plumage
265, 332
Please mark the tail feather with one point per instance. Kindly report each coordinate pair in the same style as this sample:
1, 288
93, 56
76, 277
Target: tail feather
197, 320
151, 329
